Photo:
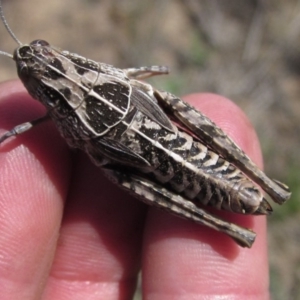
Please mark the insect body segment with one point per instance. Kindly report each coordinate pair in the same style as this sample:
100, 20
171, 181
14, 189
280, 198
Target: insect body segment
125, 126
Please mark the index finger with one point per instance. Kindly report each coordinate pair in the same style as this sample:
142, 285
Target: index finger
184, 260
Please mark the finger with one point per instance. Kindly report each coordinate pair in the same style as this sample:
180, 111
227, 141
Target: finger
34, 170
98, 253
183, 260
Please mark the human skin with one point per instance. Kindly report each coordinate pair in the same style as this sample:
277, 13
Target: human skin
69, 233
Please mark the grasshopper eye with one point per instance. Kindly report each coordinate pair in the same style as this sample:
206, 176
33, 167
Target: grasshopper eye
39, 43
24, 52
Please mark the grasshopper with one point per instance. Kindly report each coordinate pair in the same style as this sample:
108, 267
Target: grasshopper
129, 129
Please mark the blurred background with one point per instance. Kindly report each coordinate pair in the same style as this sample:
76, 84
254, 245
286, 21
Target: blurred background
247, 51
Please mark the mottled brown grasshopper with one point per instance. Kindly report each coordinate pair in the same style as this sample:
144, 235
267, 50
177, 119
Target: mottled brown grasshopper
125, 127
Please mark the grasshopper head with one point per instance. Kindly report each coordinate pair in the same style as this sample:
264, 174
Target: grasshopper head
35, 61
37, 64
32, 59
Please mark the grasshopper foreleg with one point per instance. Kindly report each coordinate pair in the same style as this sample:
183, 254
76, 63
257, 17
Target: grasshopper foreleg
21, 128
146, 72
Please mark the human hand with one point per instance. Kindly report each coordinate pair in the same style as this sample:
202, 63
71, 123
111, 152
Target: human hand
69, 233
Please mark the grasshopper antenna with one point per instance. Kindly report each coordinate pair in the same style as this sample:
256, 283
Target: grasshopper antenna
8, 30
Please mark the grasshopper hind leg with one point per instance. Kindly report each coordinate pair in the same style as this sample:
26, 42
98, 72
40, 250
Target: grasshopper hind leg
215, 138
155, 195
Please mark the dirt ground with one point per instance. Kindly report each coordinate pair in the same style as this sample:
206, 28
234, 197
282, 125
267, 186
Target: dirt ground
247, 51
